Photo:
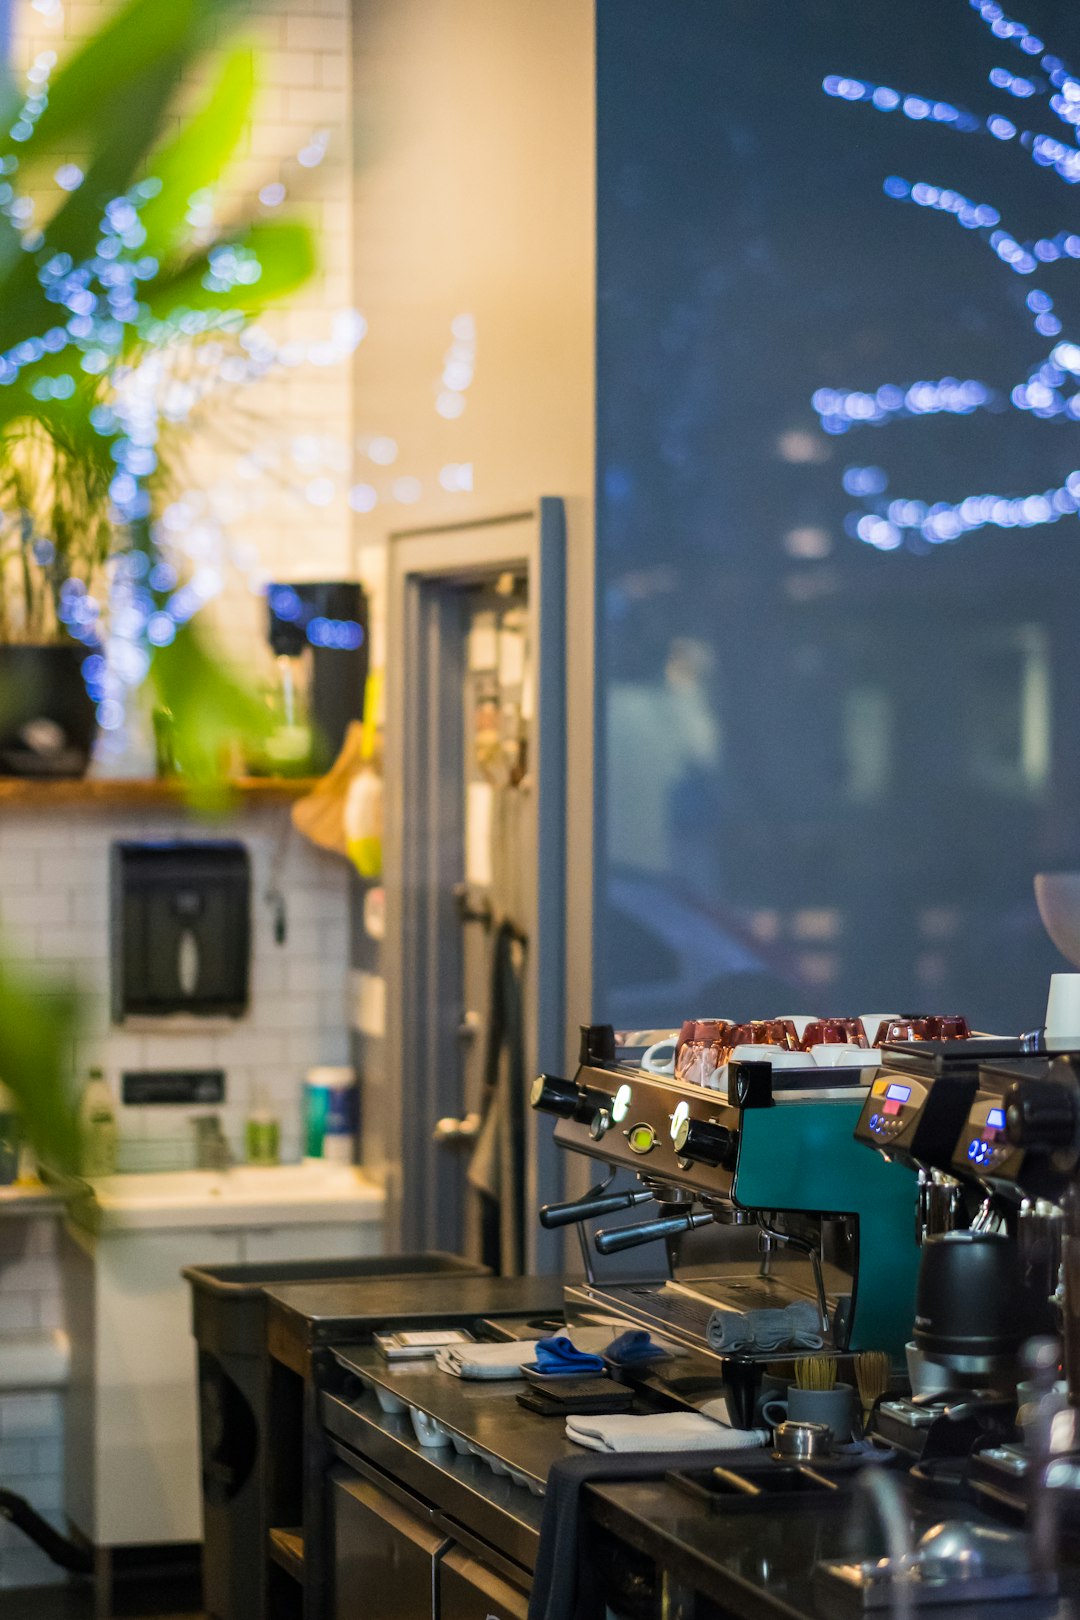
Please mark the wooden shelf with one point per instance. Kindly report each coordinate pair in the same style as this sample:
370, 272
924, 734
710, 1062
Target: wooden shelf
135, 793
286, 1548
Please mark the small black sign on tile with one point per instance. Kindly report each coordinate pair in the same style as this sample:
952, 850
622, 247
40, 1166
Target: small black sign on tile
157, 1086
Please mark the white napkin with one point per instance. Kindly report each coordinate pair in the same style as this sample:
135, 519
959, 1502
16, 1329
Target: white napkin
660, 1431
503, 1360
795, 1326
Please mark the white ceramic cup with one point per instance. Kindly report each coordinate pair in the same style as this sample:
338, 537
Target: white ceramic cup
800, 1020
872, 1022
835, 1056
1063, 1005
778, 1056
659, 1058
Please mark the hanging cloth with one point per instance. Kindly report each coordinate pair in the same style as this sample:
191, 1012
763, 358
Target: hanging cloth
497, 1167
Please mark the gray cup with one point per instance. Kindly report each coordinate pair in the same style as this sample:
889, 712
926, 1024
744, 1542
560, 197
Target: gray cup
834, 1407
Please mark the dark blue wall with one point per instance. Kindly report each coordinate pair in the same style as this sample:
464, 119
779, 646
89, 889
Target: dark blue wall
841, 733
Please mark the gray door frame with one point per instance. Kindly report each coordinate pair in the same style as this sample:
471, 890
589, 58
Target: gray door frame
423, 841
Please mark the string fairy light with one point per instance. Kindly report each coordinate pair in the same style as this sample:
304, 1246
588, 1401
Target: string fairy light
1051, 389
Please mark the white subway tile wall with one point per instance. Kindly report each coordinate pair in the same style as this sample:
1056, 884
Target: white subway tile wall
54, 870
297, 1015
31, 1421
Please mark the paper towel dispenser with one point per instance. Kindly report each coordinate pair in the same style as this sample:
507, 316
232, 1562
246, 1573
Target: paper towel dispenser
181, 928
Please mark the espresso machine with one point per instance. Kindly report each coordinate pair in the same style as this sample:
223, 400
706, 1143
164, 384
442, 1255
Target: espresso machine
763, 1198
779, 1157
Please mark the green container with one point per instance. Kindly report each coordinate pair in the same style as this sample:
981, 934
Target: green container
262, 1139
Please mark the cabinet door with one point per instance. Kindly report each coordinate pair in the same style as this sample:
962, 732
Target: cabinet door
385, 1557
468, 1590
351, 1240
143, 1450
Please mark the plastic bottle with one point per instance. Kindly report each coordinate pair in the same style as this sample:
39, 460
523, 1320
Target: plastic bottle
99, 1132
330, 1108
262, 1133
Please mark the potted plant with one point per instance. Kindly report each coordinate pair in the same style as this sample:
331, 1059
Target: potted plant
56, 538
101, 272
105, 282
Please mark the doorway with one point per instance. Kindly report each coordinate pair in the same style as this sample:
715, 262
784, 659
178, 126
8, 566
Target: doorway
475, 882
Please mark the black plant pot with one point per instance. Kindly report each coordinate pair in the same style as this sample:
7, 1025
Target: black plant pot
47, 717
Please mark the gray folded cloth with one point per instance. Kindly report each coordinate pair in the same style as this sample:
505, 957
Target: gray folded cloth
503, 1360
793, 1327
660, 1431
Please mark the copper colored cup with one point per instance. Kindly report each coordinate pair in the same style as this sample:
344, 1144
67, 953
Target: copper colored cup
775, 1032
906, 1029
788, 1034
826, 1032
686, 1033
735, 1035
702, 1052
949, 1028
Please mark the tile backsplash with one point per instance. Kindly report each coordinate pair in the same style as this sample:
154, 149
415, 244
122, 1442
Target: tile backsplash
31, 1421
54, 916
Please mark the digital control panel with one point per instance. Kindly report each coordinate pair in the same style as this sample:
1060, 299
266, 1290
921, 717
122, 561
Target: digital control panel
983, 1148
892, 1109
1007, 1141
917, 1117
987, 1144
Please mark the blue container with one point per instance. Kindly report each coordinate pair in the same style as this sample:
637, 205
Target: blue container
330, 1114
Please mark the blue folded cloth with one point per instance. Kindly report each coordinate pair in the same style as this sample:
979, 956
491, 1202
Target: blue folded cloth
558, 1355
633, 1348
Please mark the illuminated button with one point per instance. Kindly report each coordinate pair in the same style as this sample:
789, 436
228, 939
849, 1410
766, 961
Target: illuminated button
621, 1106
892, 1107
682, 1111
642, 1138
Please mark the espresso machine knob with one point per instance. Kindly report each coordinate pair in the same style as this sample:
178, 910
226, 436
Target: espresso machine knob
1042, 1115
702, 1142
599, 1123
553, 1095
587, 1104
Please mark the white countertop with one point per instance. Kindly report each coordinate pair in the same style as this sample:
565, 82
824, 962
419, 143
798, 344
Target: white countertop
245, 1195
29, 1198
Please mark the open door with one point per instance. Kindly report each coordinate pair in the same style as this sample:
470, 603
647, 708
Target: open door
475, 882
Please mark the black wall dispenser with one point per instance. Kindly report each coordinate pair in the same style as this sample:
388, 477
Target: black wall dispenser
181, 929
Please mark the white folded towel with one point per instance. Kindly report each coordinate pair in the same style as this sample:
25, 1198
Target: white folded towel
503, 1360
794, 1327
660, 1431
